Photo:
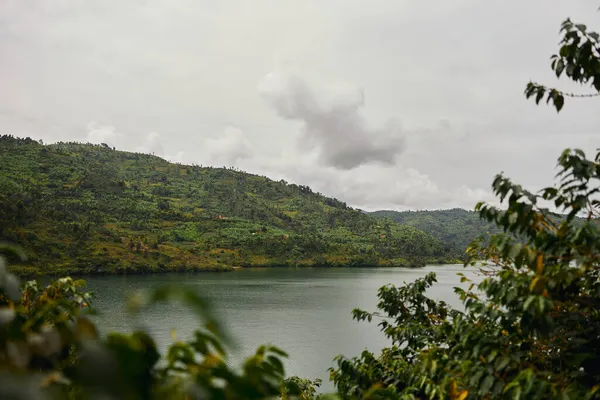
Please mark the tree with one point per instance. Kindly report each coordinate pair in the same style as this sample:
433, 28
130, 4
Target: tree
531, 328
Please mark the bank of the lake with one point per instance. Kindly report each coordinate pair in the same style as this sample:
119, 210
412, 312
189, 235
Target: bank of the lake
32, 271
305, 311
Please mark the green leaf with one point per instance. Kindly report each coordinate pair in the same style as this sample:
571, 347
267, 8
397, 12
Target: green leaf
486, 385
539, 96
502, 363
559, 68
12, 250
528, 302
559, 102
12, 287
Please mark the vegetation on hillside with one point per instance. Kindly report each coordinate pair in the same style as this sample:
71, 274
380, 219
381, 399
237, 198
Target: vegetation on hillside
455, 227
90, 208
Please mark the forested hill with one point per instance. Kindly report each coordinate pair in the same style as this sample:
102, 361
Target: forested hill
456, 227
89, 208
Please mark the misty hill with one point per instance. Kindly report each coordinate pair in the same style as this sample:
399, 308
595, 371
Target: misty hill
88, 208
456, 227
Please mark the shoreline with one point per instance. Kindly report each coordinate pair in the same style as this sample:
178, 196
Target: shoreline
35, 273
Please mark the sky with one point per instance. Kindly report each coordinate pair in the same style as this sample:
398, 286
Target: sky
389, 104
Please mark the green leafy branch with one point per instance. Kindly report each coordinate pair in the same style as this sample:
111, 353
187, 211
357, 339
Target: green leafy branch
578, 59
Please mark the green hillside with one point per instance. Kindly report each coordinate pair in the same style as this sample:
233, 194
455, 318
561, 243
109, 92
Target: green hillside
88, 208
455, 227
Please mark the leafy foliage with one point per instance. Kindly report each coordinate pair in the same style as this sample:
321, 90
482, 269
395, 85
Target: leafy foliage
89, 208
305, 389
531, 329
578, 59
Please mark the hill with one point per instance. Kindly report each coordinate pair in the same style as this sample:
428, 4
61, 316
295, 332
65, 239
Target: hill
455, 227
92, 209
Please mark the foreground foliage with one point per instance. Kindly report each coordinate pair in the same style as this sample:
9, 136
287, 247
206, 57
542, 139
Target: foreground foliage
90, 208
531, 328
50, 349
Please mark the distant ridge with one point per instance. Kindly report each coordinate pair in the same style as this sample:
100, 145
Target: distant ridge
456, 227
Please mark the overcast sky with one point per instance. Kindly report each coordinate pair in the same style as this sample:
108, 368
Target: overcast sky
399, 104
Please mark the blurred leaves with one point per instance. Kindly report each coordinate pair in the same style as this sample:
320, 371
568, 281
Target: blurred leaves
141, 299
47, 340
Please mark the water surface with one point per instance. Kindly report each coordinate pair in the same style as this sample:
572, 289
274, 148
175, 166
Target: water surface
306, 312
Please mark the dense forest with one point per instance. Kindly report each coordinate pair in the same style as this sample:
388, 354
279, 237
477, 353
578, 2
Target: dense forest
90, 208
455, 227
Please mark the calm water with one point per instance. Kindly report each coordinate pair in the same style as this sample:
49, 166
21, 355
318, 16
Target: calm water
306, 312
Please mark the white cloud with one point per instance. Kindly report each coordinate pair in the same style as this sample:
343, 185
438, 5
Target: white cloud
103, 134
152, 144
232, 145
369, 187
179, 157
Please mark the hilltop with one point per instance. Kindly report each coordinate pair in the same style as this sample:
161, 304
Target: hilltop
93, 209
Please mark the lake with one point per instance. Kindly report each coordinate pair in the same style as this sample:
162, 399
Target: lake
306, 312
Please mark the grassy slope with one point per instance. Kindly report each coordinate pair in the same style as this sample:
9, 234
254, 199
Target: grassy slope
88, 208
